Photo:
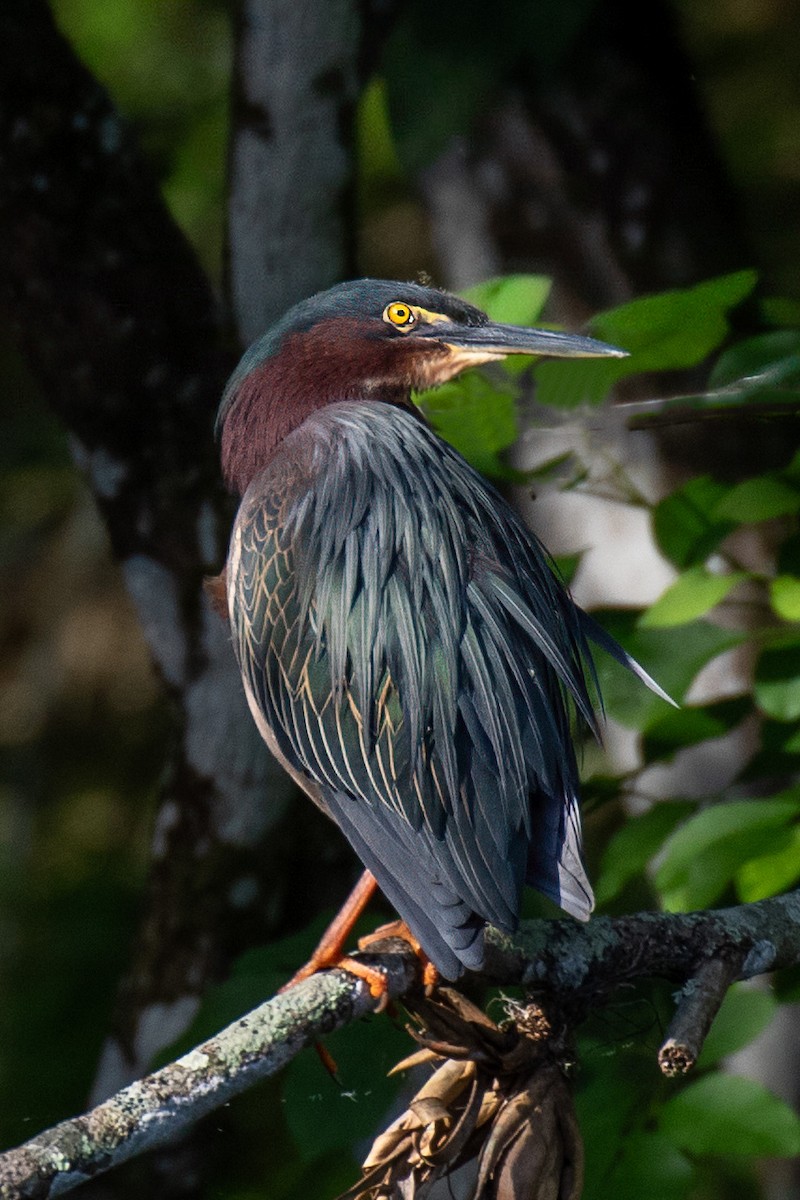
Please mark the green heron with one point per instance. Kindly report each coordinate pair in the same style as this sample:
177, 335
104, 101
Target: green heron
408, 651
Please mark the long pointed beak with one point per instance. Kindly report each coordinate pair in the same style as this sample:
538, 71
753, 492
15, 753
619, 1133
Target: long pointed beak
499, 340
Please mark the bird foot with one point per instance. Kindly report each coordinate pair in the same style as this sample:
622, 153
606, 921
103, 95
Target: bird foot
399, 929
374, 979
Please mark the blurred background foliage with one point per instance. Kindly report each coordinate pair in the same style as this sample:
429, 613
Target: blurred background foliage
84, 730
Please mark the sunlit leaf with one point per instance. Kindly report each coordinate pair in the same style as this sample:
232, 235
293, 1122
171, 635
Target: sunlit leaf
511, 299
692, 595
676, 328
718, 821
671, 330
770, 874
477, 418
378, 161
784, 592
758, 499
635, 844
705, 853
712, 872
744, 1014
577, 382
725, 1114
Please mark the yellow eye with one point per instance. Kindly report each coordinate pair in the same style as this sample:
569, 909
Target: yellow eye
398, 314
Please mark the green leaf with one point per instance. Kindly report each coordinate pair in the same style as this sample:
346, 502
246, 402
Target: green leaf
709, 826
784, 592
777, 681
692, 595
477, 418
683, 524
758, 356
650, 1165
758, 499
673, 659
511, 299
635, 844
744, 1014
704, 854
725, 1114
770, 874
712, 873
577, 382
674, 329
687, 726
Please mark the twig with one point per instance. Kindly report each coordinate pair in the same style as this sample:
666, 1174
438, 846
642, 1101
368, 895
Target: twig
698, 1003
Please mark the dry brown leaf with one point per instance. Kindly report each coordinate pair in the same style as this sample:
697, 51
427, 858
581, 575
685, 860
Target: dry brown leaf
498, 1099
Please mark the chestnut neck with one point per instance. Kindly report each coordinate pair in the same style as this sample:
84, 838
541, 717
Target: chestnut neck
310, 371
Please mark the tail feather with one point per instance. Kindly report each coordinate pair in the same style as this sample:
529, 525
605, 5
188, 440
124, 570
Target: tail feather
555, 859
605, 641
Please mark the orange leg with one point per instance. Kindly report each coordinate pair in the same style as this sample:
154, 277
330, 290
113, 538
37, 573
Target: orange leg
330, 951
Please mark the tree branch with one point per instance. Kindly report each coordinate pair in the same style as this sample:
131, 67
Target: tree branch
291, 160
580, 965
583, 962
155, 1110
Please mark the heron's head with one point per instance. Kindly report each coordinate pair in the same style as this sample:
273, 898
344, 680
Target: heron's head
369, 339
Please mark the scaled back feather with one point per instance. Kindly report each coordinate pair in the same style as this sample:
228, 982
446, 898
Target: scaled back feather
409, 645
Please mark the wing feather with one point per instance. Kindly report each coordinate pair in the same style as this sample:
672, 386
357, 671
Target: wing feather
413, 653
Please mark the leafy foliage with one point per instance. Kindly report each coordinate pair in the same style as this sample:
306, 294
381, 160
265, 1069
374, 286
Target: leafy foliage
643, 1134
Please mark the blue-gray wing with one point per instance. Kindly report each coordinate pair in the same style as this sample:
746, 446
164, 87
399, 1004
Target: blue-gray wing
411, 651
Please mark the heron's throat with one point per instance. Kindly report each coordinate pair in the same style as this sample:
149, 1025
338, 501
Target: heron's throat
287, 388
